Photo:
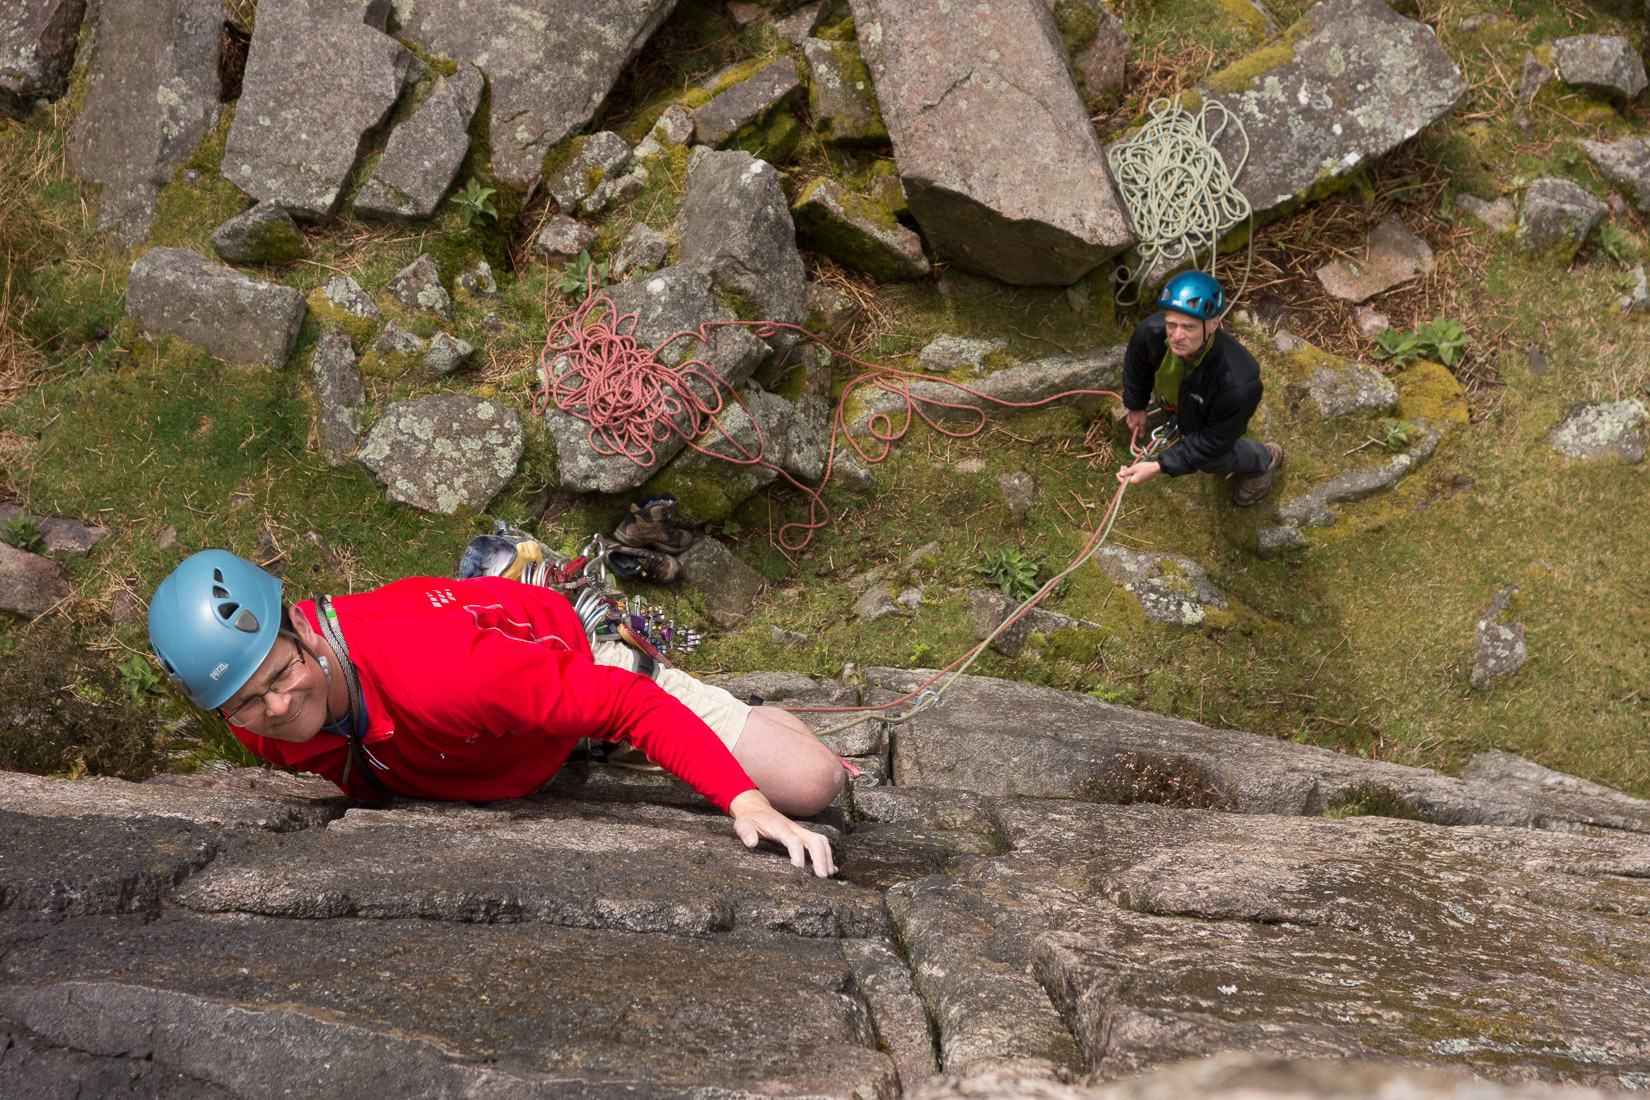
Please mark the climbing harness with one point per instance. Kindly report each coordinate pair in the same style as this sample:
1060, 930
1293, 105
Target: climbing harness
1178, 189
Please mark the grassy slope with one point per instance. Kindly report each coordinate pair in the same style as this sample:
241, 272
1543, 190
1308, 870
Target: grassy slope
1361, 643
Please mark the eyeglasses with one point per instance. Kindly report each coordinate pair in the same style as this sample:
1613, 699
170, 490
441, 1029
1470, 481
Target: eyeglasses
257, 706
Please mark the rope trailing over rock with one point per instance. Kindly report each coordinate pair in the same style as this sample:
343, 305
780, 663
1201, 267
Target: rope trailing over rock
1178, 190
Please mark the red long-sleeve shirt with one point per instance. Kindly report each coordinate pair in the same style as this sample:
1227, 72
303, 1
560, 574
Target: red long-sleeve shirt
478, 690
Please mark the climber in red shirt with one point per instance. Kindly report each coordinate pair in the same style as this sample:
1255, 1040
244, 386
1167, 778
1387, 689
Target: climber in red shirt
472, 690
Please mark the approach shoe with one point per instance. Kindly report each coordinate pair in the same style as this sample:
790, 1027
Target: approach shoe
650, 525
642, 564
1252, 490
504, 553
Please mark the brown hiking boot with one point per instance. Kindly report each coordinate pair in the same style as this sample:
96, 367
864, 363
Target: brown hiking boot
647, 565
1252, 490
649, 525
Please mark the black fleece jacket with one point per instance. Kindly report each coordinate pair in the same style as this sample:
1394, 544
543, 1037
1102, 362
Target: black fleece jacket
1217, 398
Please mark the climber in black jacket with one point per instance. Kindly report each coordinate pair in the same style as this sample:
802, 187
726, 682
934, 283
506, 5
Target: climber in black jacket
1208, 381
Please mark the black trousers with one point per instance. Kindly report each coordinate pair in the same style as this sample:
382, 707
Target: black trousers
1246, 459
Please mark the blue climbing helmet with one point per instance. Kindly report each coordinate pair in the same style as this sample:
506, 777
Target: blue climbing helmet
212, 623
1195, 293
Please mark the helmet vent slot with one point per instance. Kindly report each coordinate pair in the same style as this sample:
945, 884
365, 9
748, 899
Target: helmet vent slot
217, 575
219, 592
227, 610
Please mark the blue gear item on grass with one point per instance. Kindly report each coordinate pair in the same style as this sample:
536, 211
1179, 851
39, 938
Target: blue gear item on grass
1195, 293
212, 622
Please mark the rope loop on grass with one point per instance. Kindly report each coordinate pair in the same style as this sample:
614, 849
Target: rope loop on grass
1178, 190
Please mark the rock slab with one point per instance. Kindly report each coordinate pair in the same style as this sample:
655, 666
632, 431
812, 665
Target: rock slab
1499, 649
747, 102
857, 232
730, 587
1625, 163
1348, 83
444, 453
841, 101
321, 76
30, 585
37, 46
1168, 587
1604, 63
1001, 165
1393, 256
234, 317
265, 234
1602, 430
988, 609
549, 63
340, 396
425, 152
1556, 219
1098, 369
153, 96
59, 536
736, 227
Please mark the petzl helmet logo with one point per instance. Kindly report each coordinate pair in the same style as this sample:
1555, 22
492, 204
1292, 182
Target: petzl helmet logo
223, 666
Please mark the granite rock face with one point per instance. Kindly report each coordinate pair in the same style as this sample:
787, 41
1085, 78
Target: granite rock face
1603, 430
444, 453
1352, 389
1001, 165
1352, 81
234, 317
562, 239
425, 152
709, 489
37, 46
856, 232
747, 102
592, 160
736, 227
988, 609
949, 351
1556, 219
153, 96
418, 287
841, 101
1097, 42
265, 234
665, 302
1625, 163
340, 396
1604, 63
549, 63
643, 250
321, 76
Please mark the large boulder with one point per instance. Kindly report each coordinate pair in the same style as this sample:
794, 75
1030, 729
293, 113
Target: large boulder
424, 153
152, 97
1001, 164
37, 45
444, 453
321, 76
1344, 86
233, 316
665, 303
549, 63
736, 227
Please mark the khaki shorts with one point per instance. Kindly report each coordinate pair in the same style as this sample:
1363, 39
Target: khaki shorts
716, 707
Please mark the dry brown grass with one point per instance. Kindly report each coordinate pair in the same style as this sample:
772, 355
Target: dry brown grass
859, 335
1284, 290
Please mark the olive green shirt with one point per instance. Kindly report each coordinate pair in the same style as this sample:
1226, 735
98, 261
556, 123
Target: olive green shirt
1172, 371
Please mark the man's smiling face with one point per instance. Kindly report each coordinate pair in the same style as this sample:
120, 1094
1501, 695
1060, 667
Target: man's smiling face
286, 699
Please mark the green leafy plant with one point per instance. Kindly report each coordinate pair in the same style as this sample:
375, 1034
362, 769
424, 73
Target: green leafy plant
1445, 338
141, 678
22, 532
1012, 571
1399, 346
1613, 242
575, 278
1441, 338
1398, 433
473, 202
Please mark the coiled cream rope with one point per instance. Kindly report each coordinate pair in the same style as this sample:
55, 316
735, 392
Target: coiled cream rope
1180, 194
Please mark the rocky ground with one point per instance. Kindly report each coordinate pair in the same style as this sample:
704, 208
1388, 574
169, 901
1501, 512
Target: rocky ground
278, 277
1056, 893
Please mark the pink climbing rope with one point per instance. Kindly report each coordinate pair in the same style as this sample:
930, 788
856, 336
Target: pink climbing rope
594, 369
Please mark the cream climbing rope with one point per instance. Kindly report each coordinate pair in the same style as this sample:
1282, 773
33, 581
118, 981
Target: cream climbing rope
1180, 194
